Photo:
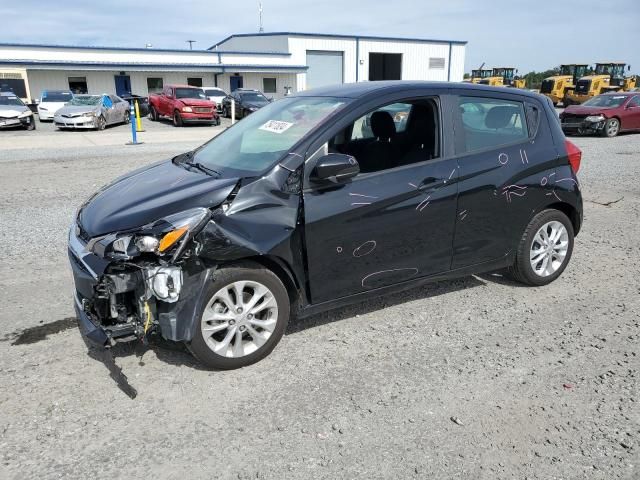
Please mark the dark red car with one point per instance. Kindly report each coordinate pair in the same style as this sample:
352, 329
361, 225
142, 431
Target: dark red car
607, 115
183, 104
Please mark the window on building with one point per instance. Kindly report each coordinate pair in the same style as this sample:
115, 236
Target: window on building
154, 84
436, 63
78, 84
491, 122
194, 81
385, 66
269, 85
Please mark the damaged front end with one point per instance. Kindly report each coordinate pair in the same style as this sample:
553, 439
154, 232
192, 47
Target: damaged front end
152, 279
129, 284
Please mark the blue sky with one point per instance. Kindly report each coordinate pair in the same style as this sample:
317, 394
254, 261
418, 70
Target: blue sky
531, 35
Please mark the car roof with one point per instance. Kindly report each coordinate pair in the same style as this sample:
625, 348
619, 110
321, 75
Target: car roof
620, 94
177, 85
362, 89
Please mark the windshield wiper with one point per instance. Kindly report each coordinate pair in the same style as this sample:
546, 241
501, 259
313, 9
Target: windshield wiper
203, 169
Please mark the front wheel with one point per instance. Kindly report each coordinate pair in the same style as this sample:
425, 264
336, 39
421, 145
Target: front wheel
153, 114
544, 249
611, 128
101, 123
31, 125
127, 118
225, 112
177, 119
243, 315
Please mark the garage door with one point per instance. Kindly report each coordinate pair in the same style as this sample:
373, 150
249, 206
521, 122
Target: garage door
325, 68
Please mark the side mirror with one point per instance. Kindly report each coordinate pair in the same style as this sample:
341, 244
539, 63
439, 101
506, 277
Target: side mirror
335, 168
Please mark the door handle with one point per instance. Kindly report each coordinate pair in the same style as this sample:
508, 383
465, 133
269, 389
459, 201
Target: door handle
431, 182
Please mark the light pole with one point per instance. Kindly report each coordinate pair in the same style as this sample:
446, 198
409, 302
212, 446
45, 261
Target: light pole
191, 42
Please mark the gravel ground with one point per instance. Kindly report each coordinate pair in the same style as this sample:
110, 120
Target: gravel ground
473, 378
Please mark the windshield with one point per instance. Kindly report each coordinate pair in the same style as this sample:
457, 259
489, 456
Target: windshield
609, 69
253, 97
80, 100
13, 101
214, 92
57, 96
567, 69
263, 138
190, 93
607, 101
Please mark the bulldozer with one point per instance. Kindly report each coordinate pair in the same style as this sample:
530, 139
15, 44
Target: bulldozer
558, 86
480, 73
504, 77
607, 77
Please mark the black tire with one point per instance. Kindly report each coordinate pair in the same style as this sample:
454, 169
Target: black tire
126, 118
32, 124
246, 271
225, 112
153, 115
101, 123
177, 119
611, 128
522, 271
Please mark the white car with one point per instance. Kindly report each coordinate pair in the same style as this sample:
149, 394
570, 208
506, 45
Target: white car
216, 95
51, 101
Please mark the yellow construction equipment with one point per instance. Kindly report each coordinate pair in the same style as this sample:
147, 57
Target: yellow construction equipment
608, 77
558, 86
504, 77
480, 73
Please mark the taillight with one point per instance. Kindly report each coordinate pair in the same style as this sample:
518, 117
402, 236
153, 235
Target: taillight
574, 154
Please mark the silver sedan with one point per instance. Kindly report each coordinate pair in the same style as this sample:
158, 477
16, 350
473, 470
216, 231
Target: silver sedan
92, 111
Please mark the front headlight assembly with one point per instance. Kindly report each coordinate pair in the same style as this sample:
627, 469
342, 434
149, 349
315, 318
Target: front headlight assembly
168, 235
26, 114
595, 118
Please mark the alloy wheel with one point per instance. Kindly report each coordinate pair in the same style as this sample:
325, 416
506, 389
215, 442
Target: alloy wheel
239, 319
612, 127
549, 248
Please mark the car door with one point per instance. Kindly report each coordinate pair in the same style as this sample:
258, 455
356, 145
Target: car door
506, 158
382, 227
632, 114
165, 101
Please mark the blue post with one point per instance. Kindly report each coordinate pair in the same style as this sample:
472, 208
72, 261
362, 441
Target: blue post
132, 121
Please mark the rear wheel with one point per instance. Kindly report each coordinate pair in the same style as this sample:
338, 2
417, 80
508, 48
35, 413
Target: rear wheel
611, 128
243, 315
544, 249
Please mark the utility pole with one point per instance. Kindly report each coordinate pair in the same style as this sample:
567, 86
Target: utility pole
191, 42
261, 30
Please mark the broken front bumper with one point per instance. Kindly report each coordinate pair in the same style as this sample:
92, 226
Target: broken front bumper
122, 302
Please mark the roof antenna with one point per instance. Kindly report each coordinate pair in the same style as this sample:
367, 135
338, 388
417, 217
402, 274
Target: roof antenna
261, 30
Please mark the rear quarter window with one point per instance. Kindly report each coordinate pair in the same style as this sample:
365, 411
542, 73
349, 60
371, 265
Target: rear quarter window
487, 123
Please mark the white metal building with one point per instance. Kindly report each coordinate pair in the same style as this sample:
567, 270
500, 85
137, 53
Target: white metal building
270, 62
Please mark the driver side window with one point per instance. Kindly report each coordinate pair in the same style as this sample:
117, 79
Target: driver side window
392, 136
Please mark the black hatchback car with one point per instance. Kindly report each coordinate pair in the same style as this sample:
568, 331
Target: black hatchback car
246, 102
323, 199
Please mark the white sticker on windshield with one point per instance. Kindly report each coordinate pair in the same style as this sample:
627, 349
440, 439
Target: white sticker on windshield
276, 126
619, 96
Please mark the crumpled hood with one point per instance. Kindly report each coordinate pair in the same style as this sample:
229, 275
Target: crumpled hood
78, 109
149, 194
582, 110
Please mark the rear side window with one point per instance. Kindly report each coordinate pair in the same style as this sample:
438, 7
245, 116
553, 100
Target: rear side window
490, 122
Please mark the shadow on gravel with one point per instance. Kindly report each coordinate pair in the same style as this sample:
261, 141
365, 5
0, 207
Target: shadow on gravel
419, 293
41, 332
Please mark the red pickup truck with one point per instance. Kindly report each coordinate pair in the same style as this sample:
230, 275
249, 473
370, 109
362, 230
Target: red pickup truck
183, 104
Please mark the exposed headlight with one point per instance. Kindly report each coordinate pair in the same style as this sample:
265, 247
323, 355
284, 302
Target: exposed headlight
187, 109
26, 114
595, 118
90, 114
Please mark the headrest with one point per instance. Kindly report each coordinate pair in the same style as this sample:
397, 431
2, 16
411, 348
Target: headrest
500, 117
382, 125
421, 119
